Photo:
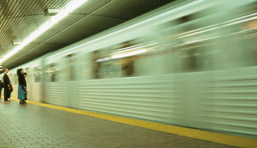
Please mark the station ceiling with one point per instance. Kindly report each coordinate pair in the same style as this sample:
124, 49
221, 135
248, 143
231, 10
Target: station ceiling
18, 18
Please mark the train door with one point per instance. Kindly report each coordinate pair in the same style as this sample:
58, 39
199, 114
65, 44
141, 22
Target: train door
36, 90
55, 86
72, 85
188, 59
29, 79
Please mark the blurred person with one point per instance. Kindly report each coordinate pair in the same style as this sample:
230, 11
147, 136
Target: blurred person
128, 62
96, 65
7, 85
26, 91
22, 86
128, 66
54, 72
70, 67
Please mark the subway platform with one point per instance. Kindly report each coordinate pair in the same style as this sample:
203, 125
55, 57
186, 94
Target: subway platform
38, 125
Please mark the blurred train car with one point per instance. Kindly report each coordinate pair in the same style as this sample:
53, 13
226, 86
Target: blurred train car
190, 64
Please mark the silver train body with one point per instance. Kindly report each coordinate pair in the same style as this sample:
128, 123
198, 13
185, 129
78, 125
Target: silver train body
190, 64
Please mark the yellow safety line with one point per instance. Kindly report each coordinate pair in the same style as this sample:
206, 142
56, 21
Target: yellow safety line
182, 131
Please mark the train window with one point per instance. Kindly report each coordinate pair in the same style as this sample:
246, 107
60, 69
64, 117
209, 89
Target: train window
195, 41
249, 54
182, 44
86, 62
127, 62
110, 69
127, 59
53, 72
104, 66
243, 42
237, 44
70, 67
37, 74
191, 59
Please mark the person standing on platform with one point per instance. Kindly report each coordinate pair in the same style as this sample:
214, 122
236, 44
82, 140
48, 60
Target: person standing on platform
10, 87
26, 91
7, 84
22, 86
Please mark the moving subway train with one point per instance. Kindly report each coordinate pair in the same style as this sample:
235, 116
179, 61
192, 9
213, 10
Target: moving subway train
190, 64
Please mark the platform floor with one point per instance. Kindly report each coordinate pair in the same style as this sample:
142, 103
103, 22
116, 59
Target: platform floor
34, 126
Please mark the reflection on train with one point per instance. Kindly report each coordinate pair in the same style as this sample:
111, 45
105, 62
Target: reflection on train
192, 64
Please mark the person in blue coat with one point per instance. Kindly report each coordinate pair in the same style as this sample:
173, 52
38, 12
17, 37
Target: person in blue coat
26, 90
22, 86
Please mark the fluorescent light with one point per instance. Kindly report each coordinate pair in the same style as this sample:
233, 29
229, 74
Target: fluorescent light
16, 42
121, 55
51, 12
103, 59
71, 6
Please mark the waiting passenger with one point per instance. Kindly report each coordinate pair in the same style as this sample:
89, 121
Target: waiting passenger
22, 86
7, 85
26, 91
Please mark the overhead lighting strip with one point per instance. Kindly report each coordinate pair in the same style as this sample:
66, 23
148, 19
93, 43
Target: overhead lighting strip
70, 7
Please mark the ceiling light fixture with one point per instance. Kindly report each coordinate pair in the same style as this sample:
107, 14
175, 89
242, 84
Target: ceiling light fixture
51, 12
16, 42
71, 6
